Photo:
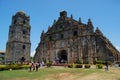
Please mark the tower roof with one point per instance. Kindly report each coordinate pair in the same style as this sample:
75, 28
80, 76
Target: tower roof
21, 13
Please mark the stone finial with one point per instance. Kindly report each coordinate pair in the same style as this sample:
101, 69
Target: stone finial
97, 28
89, 23
43, 32
98, 31
54, 21
63, 14
89, 20
71, 16
80, 21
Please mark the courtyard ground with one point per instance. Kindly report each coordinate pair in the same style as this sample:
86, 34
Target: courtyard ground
61, 73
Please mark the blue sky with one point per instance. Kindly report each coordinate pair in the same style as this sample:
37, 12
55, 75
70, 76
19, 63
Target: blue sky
104, 14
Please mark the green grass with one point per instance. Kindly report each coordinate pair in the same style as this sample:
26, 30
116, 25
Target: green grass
60, 74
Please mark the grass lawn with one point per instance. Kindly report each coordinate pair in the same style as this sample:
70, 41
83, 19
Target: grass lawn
61, 73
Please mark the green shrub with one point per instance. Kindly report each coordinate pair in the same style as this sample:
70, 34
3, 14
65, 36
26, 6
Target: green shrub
78, 66
25, 66
2, 67
99, 62
13, 67
78, 61
87, 66
99, 66
49, 64
110, 63
70, 66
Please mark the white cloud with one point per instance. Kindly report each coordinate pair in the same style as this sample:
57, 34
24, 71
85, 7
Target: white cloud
32, 53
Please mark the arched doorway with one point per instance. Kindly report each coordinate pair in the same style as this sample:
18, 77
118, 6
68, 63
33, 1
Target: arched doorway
22, 59
62, 55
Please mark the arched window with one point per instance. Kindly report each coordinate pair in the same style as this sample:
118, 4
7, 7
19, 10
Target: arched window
23, 46
50, 38
24, 22
75, 33
61, 27
61, 36
24, 32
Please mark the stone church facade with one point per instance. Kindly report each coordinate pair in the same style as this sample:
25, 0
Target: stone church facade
18, 45
70, 40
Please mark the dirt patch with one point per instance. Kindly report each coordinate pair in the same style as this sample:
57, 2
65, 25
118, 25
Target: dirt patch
20, 79
93, 76
61, 76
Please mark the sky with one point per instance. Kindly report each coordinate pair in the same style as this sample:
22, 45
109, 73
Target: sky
104, 14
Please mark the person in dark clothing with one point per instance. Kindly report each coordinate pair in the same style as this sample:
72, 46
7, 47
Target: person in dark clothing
36, 66
31, 66
106, 64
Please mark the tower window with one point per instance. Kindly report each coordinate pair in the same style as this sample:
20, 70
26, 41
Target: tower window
61, 36
14, 21
24, 22
50, 38
75, 33
23, 46
61, 27
24, 32
11, 32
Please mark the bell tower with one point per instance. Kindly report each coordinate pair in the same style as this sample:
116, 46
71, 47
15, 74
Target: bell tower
18, 45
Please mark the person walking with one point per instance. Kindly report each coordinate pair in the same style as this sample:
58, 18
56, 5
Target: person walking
106, 64
30, 67
36, 66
